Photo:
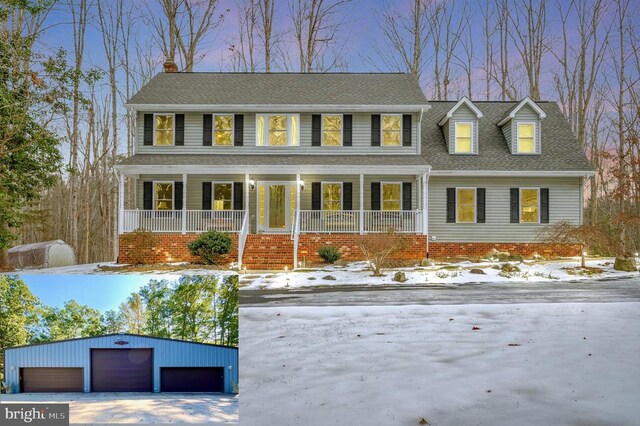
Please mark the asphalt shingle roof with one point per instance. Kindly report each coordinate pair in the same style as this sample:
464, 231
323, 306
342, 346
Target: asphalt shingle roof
560, 149
281, 89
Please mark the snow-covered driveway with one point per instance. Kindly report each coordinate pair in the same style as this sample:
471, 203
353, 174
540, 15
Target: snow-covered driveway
526, 364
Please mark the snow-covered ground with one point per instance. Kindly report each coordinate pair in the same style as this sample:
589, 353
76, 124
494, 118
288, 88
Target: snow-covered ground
526, 364
119, 268
451, 273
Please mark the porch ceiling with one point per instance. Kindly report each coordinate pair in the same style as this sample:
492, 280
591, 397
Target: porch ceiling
211, 164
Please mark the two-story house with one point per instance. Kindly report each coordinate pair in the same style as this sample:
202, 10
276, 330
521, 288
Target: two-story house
289, 162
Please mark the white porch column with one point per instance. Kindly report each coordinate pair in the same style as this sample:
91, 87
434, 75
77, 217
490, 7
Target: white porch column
361, 204
425, 204
184, 203
246, 194
121, 177
296, 228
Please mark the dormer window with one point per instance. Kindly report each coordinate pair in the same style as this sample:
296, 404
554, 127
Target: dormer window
526, 138
463, 137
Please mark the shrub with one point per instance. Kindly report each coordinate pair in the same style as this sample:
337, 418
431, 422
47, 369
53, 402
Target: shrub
210, 246
329, 254
141, 245
379, 249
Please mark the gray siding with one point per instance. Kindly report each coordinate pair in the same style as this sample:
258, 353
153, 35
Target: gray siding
464, 113
166, 353
193, 123
564, 204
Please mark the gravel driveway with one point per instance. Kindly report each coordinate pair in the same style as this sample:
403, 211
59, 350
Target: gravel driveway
140, 407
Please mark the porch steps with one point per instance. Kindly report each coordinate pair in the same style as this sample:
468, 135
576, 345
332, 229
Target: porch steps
268, 252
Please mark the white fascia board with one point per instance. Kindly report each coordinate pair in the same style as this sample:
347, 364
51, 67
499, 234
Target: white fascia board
465, 101
513, 173
267, 169
525, 101
277, 108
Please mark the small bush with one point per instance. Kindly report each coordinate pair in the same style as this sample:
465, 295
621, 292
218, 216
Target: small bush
329, 254
210, 246
141, 245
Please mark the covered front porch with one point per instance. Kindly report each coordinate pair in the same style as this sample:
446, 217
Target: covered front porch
344, 200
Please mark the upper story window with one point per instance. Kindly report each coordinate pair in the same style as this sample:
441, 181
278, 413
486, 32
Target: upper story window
463, 138
222, 195
277, 129
465, 205
223, 129
163, 125
526, 138
332, 130
331, 196
163, 195
529, 205
391, 130
391, 196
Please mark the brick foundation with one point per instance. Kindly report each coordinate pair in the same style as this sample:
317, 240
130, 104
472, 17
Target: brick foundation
437, 249
172, 248
264, 251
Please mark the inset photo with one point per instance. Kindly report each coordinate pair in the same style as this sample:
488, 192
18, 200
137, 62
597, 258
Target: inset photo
122, 349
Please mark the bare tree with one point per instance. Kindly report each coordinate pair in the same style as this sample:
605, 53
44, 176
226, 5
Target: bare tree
265, 28
197, 21
528, 32
316, 24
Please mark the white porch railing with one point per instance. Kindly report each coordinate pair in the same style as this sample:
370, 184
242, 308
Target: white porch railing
403, 222
171, 220
329, 221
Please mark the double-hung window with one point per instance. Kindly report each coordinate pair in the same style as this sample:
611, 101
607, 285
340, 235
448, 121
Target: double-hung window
163, 195
465, 205
163, 129
331, 130
223, 129
526, 138
277, 130
391, 196
331, 196
463, 137
222, 195
529, 205
391, 130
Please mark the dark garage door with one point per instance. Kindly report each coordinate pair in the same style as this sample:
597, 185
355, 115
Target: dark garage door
51, 380
121, 370
192, 379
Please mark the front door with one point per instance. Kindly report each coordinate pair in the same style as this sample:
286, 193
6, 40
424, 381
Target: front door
275, 206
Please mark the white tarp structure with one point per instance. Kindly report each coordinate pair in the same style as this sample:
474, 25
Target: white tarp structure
47, 254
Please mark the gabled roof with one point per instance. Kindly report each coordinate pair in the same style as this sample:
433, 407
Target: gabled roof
513, 111
560, 149
466, 101
253, 90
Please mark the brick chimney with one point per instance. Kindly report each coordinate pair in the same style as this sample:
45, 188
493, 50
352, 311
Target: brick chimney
170, 66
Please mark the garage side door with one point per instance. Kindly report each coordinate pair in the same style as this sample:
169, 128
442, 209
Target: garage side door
121, 370
192, 379
51, 380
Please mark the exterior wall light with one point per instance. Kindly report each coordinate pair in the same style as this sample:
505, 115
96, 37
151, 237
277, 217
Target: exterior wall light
252, 184
301, 184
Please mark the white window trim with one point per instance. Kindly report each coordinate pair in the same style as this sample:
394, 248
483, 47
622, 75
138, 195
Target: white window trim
213, 129
266, 130
382, 145
322, 129
455, 137
382, 198
164, 114
322, 194
535, 148
173, 195
520, 204
213, 192
475, 204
